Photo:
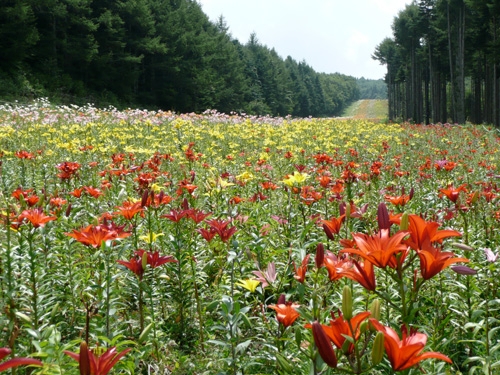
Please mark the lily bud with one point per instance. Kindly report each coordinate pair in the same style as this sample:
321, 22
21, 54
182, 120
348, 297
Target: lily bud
145, 333
84, 362
347, 303
323, 344
375, 309
281, 299
404, 222
378, 349
320, 255
363, 327
348, 210
298, 336
68, 210
462, 246
375, 314
383, 217
342, 207
144, 260
144, 200
474, 197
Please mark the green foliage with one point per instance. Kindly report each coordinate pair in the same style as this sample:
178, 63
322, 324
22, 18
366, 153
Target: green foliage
372, 88
156, 54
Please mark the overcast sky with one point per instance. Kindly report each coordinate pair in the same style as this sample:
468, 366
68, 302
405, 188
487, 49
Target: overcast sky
330, 35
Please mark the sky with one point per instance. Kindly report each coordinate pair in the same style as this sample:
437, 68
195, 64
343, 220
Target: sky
332, 36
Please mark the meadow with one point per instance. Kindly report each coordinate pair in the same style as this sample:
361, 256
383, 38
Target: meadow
150, 242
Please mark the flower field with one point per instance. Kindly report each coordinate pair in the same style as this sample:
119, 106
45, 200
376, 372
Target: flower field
144, 242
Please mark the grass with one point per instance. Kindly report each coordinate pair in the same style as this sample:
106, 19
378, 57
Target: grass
367, 109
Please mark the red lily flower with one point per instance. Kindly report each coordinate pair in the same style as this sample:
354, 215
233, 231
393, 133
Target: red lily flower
379, 248
300, 273
405, 353
36, 217
176, 215
221, 228
16, 362
197, 215
134, 265
207, 234
154, 259
92, 363
286, 313
68, 169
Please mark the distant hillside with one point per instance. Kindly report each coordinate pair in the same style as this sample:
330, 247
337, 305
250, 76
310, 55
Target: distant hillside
372, 88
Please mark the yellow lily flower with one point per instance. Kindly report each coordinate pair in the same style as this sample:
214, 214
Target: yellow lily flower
150, 237
249, 284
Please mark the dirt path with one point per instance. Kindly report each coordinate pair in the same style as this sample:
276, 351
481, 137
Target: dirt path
367, 109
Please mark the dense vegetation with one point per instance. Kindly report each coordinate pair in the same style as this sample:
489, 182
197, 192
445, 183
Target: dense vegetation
217, 251
153, 53
443, 62
372, 88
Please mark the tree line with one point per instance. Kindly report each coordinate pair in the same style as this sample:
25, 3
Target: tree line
442, 62
154, 53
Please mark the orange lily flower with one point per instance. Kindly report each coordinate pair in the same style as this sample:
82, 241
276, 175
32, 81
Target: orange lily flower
129, 210
286, 313
363, 274
379, 248
332, 226
300, 272
424, 232
337, 267
400, 200
405, 353
453, 193
95, 235
433, 261
339, 328
36, 217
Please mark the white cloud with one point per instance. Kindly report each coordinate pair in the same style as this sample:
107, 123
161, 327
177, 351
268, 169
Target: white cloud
355, 44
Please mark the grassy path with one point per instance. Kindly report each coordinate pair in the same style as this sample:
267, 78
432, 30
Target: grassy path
367, 109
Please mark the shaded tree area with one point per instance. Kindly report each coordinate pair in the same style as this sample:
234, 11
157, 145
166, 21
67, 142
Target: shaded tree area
372, 88
442, 62
154, 53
